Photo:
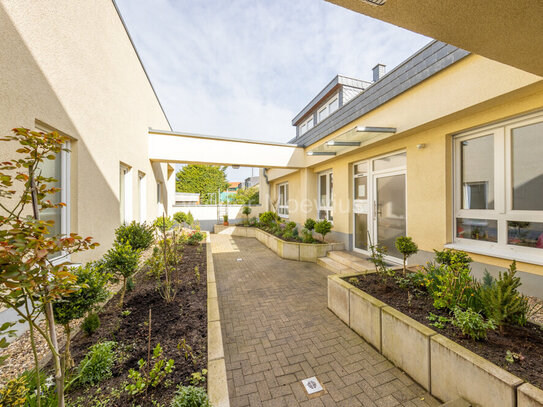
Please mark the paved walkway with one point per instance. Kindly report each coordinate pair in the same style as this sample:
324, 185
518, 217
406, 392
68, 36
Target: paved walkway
277, 330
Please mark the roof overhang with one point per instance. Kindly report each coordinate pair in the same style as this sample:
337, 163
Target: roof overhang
503, 30
358, 136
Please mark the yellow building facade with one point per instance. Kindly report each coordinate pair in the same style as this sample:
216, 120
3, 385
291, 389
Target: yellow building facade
414, 174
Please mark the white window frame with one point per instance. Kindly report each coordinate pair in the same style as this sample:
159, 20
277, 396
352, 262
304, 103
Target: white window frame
334, 100
503, 195
282, 203
142, 192
306, 126
324, 111
126, 204
329, 205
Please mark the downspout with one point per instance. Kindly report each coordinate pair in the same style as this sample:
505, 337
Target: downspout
265, 173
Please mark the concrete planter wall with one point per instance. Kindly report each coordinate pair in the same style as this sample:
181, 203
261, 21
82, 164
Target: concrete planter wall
447, 370
309, 252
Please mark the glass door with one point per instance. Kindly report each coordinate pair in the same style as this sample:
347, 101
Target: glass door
361, 206
390, 210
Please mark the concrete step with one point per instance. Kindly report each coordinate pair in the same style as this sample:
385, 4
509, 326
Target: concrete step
334, 266
457, 403
352, 261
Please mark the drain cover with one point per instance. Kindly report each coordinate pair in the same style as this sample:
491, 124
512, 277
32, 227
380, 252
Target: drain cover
312, 385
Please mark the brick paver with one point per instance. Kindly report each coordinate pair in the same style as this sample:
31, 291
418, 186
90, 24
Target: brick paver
277, 330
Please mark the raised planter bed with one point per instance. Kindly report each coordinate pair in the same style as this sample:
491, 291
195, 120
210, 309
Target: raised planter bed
445, 368
309, 252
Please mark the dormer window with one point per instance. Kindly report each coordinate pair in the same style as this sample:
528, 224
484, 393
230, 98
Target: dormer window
308, 125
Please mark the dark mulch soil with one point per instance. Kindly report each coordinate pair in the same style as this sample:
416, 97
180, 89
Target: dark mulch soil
527, 340
184, 318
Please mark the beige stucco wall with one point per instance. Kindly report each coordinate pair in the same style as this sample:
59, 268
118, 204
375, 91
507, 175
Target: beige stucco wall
71, 66
449, 109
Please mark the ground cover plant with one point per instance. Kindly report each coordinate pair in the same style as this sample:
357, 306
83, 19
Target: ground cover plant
490, 317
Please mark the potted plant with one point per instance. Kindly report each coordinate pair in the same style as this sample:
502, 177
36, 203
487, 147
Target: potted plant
225, 219
246, 211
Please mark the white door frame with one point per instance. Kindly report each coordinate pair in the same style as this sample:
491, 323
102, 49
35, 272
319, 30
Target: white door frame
372, 199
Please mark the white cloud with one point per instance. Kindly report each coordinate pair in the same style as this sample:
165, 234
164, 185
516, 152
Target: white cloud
245, 68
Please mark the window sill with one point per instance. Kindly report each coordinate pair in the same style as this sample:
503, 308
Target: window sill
505, 253
283, 216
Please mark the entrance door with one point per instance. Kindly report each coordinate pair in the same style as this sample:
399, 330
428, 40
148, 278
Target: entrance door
361, 206
390, 211
379, 203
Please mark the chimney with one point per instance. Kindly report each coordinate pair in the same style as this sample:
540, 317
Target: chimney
379, 71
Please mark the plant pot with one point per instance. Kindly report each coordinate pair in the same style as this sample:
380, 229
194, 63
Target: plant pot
225, 223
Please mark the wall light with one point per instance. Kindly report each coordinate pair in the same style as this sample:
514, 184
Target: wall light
421, 146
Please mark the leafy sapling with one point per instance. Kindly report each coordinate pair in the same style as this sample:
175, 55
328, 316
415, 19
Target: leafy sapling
122, 260
407, 248
246, 211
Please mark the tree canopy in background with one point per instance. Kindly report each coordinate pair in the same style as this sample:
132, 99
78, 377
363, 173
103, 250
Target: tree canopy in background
202, 179
247, 196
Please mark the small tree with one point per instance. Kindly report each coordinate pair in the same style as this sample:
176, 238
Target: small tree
502, 302
29, 282
247, 211
122, 261
180, 217
77, 304
323, 227
407, 247
138, 235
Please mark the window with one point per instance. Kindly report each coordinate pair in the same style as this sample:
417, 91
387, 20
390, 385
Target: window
333, 106
125, 194
308, 125
325, 194
142, 192
499, 187
282, 193
59, 169
323, 113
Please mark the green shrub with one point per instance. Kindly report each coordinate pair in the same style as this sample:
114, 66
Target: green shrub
323, 227
122, 261
309, 224
141, 379
450, 256
406, 247
450, 286
501, 300
195, 237
190, 219
253, 221
97, 364
190, 396
75, 305
14, 392
267, 218
91, 324
138, 235
164, 222
471, 323
180, 217
291, 225
307, 236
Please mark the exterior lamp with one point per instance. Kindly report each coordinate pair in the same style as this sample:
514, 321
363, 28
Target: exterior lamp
375, 2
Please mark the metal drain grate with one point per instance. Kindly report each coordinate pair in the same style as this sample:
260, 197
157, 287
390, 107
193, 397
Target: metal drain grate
312, 385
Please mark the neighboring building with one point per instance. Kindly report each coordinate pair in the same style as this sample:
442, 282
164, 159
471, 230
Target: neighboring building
187, 198
234, 186
71, 67
251, 182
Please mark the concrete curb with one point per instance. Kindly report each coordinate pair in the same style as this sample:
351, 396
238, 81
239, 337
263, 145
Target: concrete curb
308, 252
217, 385
445, 368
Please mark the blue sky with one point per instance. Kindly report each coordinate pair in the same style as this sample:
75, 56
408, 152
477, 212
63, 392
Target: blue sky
245, 68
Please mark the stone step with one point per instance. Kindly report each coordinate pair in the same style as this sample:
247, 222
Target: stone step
457, 403
334, 266
354, 262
